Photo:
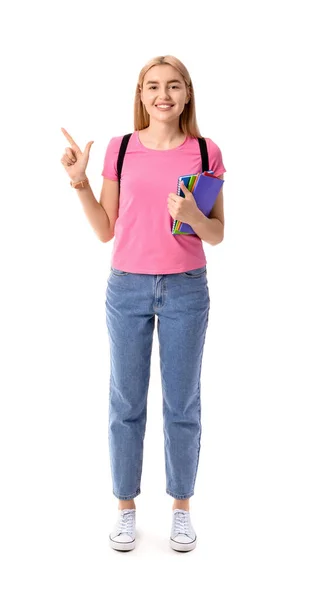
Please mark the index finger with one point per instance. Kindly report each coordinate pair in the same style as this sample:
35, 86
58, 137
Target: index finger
67, 135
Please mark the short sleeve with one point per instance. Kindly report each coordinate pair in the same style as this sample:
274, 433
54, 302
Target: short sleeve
110, 159
215, 158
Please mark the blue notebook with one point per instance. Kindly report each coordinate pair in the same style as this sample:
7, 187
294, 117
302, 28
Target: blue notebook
205, 188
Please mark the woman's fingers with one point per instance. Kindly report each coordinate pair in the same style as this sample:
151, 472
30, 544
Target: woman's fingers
67, 160
70, 139
70, 154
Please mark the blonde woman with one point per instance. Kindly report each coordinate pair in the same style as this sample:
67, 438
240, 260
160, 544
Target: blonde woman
154, 273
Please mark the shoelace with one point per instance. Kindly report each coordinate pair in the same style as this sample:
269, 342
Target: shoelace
182, 523
126, 523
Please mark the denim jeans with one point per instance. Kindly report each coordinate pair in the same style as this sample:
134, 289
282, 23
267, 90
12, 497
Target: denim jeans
181, 302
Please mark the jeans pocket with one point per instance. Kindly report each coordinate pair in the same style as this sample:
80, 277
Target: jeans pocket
194, 273
118, 272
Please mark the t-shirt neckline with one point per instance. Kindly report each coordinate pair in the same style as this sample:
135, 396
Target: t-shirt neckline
160, 149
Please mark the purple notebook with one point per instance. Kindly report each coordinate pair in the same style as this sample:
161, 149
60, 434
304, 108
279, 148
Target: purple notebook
205, 192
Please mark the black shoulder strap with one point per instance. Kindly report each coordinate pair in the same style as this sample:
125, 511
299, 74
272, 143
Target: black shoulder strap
204, 154
122, 151
125, 141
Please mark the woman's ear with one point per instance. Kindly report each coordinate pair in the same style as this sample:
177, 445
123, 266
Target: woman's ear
140, 93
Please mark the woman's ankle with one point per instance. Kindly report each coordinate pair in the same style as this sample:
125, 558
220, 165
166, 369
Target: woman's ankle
126, 504
182, 504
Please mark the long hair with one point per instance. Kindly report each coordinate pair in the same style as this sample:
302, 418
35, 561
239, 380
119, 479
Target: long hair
187, 120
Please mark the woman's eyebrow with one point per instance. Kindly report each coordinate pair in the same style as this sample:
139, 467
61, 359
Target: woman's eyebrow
171, 81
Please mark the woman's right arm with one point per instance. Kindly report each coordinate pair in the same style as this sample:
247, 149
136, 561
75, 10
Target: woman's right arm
75, 162
95, 213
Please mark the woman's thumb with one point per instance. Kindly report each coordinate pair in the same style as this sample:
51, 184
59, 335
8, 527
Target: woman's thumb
88, 146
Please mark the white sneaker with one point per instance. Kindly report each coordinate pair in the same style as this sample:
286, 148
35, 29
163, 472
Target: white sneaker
183, 536
123, 535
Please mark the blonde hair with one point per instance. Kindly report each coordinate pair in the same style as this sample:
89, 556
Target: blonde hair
187, 120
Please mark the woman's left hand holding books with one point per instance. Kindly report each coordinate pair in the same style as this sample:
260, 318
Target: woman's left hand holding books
183, 209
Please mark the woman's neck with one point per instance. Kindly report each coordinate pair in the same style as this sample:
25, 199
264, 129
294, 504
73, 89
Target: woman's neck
163, 139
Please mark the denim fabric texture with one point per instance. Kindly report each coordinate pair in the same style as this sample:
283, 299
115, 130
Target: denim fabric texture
181, 302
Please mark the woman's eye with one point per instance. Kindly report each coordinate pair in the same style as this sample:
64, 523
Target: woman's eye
153, 86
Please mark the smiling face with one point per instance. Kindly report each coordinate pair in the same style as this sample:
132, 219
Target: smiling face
164, 93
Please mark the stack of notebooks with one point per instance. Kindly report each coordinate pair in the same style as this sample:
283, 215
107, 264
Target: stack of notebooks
205, 188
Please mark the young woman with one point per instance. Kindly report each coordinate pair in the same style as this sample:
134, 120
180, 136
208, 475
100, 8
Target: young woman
154, 272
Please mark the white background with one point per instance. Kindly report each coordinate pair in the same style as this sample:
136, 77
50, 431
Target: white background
76, 66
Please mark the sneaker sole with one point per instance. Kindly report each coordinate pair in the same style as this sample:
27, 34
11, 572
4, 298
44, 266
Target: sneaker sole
122, 545
182, 547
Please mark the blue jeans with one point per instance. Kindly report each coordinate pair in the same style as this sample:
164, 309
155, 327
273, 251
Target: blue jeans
181, 303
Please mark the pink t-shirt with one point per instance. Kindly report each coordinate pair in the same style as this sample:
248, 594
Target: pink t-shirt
143, 241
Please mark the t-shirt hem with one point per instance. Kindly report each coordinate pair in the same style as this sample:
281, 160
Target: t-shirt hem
175, 270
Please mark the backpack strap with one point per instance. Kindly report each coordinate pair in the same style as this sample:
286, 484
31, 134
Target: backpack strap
204, 154
125, 141
122, 151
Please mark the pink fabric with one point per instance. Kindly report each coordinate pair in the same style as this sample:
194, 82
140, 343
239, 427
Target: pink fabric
143, 241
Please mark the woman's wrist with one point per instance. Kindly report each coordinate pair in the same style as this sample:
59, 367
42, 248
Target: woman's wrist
80, 178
